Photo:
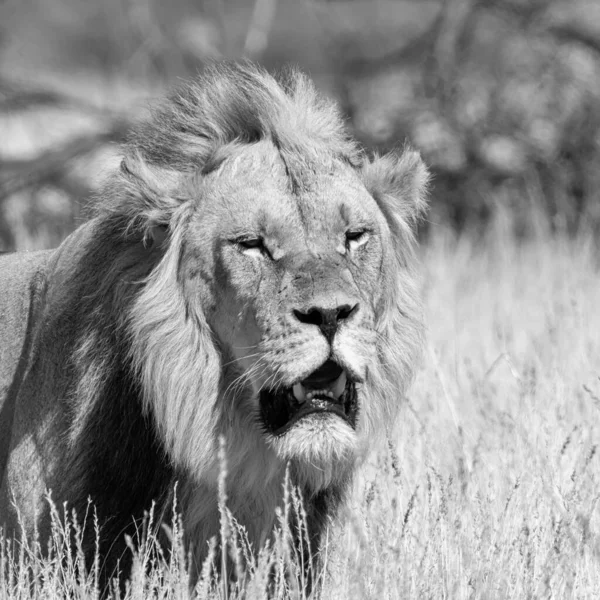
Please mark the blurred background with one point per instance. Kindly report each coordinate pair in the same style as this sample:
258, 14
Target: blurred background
502, 97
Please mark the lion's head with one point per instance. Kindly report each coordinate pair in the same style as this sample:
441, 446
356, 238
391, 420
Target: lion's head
283, 313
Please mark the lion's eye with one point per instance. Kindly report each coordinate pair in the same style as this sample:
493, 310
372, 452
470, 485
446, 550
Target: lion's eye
356, 238
252, 245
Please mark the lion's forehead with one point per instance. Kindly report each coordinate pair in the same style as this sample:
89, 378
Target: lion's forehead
266, 199
338, 199
258, 175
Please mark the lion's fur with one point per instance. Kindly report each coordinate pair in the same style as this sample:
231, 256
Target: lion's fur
116, 379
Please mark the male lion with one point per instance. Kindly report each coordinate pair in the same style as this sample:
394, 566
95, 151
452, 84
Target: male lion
248, 276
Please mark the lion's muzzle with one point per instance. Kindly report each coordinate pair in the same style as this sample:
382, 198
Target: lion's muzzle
328, 390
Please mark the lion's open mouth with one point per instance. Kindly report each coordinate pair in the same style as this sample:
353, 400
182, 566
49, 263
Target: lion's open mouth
326, 390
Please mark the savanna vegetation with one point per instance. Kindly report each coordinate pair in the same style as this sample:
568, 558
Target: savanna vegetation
488, 486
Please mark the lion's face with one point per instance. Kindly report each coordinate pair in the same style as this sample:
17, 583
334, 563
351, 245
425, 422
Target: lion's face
292, 284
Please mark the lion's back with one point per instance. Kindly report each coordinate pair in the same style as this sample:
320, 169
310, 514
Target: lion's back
22, 277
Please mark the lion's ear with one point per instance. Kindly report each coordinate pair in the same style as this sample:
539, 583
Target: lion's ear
148, 195
398, 182
157, 234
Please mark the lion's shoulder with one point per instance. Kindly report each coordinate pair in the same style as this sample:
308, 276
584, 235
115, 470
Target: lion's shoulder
21, 274
22, 277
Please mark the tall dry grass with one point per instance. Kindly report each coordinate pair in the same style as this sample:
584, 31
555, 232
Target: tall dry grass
488, 487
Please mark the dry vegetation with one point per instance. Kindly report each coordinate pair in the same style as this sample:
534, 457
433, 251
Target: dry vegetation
489, 486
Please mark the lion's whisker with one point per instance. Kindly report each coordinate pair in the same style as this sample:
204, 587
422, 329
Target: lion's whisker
273, 376
243, 377
239, 359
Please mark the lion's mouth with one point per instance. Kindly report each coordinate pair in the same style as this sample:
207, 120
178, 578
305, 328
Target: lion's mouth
329, 389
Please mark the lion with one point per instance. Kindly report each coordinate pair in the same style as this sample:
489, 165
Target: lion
248, 278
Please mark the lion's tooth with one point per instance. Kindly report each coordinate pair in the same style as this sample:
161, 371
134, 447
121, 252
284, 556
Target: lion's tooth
339, 385
299, 392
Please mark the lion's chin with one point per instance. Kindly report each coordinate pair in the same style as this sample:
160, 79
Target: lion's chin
321, 448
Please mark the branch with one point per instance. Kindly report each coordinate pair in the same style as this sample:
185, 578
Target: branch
18, 175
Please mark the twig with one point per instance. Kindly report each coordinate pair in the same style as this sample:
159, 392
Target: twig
447, 396
226, 42
20, 96
261, 22
19, 175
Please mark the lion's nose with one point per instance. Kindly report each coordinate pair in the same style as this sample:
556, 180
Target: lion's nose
326, 319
